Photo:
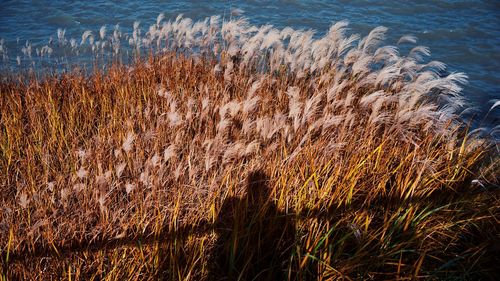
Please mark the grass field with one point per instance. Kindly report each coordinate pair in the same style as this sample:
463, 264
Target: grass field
250, 153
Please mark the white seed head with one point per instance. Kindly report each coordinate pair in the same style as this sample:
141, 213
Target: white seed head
82, 173
23, 200
129, 140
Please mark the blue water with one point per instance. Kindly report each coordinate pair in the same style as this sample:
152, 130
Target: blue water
463, 34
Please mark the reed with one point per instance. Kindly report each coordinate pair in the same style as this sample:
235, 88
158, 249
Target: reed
246, 152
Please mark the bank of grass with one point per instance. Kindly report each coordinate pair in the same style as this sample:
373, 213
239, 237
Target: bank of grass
127, 174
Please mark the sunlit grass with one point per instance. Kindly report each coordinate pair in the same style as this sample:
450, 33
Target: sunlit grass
123, 173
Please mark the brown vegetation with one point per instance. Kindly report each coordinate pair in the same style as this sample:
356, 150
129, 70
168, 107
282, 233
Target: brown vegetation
150, 170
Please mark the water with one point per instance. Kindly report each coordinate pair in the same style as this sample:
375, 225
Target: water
463, 34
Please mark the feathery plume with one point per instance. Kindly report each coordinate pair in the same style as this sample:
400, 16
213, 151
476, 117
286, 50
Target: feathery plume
169, 152
60, 36
87, 34
407, 39
119, 169
82, 173
129, 140
23, 200
129, 187
236, 12
375, 36
102, 32
495, 104
160, 17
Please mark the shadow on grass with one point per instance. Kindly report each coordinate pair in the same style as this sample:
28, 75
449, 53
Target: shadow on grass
255, 239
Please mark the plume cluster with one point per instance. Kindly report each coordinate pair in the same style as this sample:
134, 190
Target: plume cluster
362, 146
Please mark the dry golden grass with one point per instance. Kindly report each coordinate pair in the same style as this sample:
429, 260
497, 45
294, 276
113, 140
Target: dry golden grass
186, 167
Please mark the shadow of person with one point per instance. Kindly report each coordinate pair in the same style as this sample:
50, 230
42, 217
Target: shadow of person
255, 239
